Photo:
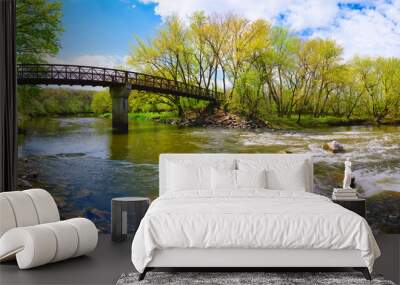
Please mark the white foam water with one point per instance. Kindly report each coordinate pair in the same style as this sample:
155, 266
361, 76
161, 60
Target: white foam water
374, 152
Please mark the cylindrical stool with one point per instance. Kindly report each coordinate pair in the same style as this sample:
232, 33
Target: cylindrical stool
124, 210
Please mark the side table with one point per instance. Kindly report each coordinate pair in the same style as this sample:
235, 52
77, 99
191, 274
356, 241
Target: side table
126, 214
355, 205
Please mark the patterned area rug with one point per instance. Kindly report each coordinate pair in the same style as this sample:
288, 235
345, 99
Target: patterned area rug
243, 278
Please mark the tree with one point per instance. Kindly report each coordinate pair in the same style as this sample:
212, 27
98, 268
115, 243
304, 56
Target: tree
264, 70
281, 69
245, 43
380, 79
37, 37
205, 44
346, 92
319, 59
325, 65
249, 99
165, 55
38, 29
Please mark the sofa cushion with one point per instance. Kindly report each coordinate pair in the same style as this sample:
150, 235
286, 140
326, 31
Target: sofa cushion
45, 205
23, 208
7, 220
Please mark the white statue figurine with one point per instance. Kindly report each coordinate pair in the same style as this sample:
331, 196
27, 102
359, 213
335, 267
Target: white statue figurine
347, 174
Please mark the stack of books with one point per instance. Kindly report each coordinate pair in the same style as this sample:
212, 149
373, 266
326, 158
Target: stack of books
344, 194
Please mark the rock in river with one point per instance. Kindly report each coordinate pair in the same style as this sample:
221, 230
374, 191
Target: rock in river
333, 147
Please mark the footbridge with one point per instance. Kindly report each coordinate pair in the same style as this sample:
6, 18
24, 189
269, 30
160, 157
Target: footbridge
119, 81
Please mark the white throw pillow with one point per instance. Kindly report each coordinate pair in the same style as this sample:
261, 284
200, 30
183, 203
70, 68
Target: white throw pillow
282, 174
187, 175
182, 177
228, 179
251, 178
223, 179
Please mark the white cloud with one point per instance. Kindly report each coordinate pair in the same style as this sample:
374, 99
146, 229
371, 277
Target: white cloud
100, 60
311, 14
252, 9
374, 32
369, 27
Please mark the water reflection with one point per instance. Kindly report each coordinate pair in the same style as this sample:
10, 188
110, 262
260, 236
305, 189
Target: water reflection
84, 164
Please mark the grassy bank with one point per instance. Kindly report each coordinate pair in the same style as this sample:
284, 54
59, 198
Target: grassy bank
308, 122
286, 123
289, 123
163, 117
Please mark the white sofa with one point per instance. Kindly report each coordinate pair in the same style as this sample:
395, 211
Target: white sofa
31, 230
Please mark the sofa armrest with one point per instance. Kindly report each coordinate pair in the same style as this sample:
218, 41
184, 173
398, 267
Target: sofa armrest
41, 244
32, 246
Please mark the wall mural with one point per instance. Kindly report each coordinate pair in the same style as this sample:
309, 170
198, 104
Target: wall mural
224, 83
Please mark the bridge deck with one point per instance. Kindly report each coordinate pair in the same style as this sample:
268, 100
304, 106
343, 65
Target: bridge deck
60, 74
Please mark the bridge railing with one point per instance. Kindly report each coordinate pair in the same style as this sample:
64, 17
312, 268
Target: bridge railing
73, 73
136, 78
98, 76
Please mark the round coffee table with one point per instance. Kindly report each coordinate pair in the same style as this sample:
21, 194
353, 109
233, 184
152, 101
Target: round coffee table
126, 214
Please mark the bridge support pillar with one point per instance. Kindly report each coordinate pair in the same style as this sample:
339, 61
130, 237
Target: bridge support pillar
119, 95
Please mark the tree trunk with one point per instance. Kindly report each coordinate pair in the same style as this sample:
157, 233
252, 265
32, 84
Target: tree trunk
298, 118
181, 113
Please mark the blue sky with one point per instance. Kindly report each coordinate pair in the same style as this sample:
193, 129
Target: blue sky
100, 32
103, 30
104, 26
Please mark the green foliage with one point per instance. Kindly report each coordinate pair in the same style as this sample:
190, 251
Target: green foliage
37, 36
33, 101
265, 71
161, 116
147, 102
26, 101
101, 102
38, 29
248, 98
379, 80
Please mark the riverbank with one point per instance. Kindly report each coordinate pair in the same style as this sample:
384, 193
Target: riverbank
219, 118
308, 121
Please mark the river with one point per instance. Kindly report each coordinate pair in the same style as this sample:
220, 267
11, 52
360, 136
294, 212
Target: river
83, 164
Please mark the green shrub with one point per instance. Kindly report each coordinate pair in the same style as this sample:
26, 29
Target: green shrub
101, 102
34, 101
